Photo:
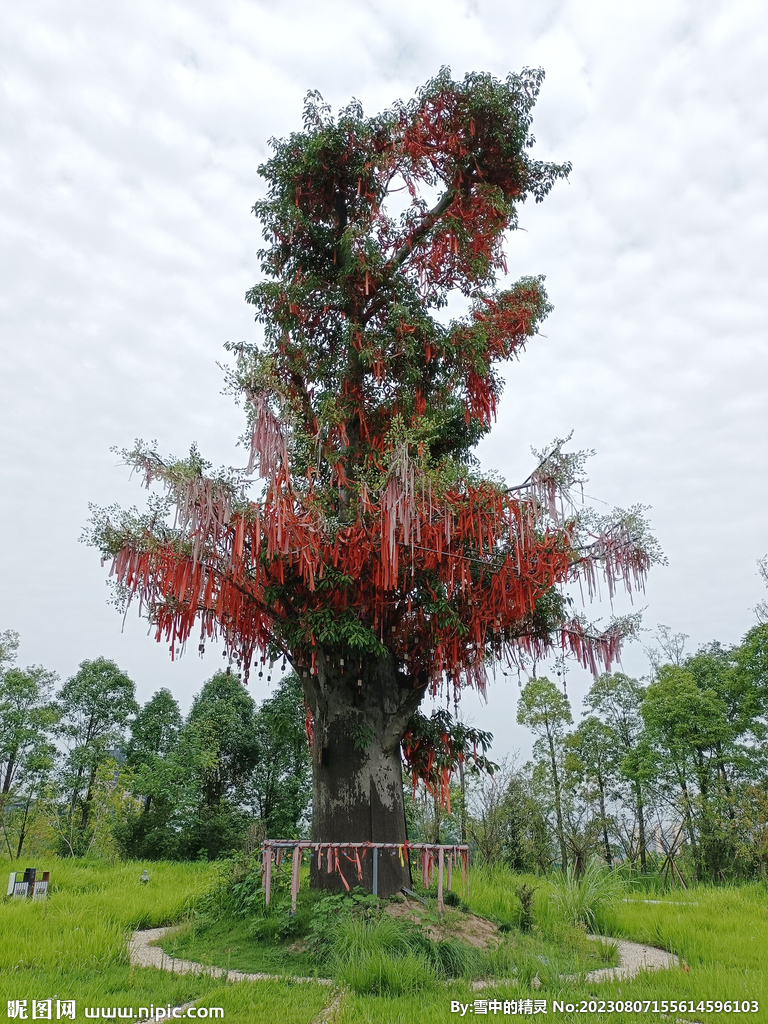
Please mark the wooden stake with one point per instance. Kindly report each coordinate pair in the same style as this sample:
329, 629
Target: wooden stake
440, 866
267, 869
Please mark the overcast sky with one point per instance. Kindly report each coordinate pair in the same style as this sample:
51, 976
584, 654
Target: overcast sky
131, 134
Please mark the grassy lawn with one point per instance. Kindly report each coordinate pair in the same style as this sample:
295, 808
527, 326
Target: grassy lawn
237, 945
73, 946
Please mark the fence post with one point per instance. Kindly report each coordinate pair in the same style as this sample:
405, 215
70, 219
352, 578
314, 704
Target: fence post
440, 866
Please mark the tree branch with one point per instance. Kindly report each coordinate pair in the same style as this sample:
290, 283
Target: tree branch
426, 225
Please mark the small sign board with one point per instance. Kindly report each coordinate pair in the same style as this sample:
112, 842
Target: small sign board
20, 886
40, 891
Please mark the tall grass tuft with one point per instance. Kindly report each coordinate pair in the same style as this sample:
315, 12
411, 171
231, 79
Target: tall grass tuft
580, 898
384, 955
376, 958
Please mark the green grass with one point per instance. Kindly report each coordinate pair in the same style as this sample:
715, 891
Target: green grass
73, 946
269, 1002
369, 951
720, 934
90, 906
232, 944
727, 926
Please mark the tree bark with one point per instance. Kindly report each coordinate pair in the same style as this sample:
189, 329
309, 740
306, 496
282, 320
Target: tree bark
10, 771
359, 711
688, 814
558, 803
462, 783
23, 830
641, 827
606, 842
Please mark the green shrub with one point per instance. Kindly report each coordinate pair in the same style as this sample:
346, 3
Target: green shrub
525, 894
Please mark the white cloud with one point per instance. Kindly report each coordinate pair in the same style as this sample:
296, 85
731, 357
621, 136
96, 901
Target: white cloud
131, 138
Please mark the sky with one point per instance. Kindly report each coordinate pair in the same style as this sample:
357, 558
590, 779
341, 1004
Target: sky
131, 137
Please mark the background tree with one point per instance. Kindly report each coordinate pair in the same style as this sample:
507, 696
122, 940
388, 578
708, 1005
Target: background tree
27, 719
95, 705
706, 716
751, 682
203, 782
751, 828
546, 711
155, 730
217, 748
761, 609
435, 749
617, 699
592, 757
377, 558
507, 823
155, 776
9, 646
280, 786
687, 724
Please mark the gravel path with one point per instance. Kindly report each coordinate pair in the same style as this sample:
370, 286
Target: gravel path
142, 954
633, 958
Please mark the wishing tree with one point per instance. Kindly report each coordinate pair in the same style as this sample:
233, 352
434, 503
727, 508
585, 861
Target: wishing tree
375, 556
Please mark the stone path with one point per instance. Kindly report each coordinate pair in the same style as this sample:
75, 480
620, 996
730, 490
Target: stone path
141, 953
634, 957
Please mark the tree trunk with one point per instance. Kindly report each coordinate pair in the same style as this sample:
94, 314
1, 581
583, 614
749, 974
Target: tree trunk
724, 777
688, 814
9, 772
23, 830
462, 783
604, 819
558, 804
641, 826
357, 774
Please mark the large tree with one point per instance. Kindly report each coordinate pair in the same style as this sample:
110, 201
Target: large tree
546, 712
27, 719
95, 705
617, 699
376, 557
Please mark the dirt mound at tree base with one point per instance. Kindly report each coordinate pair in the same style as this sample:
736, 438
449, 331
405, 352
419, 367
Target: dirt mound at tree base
475, 931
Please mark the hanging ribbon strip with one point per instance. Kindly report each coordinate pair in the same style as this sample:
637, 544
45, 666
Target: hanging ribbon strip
338, 868
433, 856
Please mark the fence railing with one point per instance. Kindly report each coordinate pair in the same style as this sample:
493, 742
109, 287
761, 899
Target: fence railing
432, 856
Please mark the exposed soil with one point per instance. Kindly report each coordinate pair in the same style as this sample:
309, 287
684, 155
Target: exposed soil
473, 930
